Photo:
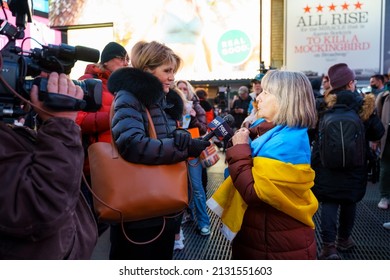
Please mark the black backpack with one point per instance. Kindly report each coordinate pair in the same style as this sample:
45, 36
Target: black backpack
341, 137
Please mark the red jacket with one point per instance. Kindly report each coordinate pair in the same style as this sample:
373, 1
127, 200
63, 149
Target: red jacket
95, 126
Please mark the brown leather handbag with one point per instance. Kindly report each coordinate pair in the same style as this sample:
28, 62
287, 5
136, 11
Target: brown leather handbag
124, 191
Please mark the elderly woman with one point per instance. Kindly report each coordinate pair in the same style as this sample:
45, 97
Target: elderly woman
266, 204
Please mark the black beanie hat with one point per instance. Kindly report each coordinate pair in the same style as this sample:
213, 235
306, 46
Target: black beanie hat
112, 50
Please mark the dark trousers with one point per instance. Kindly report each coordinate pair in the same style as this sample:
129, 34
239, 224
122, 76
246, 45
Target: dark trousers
160, 249
384, 177
334, 223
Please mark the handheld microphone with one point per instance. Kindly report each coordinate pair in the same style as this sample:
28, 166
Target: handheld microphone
220, 127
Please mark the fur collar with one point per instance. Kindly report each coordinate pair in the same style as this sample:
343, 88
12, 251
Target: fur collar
145, 86
365, 104
175, 105
147, 89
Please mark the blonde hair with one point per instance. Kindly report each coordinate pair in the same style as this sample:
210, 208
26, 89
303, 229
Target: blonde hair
151, 55
191, 91
295, 96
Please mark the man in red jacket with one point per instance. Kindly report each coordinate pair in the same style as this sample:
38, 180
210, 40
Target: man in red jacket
95, 126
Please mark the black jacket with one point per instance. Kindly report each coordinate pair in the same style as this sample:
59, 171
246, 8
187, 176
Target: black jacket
134, 91
346, 185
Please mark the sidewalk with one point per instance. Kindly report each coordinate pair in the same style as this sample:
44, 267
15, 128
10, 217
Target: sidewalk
373, 241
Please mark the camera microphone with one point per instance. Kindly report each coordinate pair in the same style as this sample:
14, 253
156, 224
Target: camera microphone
221, 128
67, 52
87, 54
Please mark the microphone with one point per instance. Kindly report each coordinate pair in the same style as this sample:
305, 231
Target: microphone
87, 54
70, 53
220, 127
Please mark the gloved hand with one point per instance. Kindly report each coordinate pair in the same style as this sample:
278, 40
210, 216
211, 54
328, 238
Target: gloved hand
196, 147
182, 138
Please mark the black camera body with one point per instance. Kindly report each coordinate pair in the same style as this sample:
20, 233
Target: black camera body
20, 68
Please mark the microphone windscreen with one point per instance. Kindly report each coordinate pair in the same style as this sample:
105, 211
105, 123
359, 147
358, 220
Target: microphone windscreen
229, 119
87, 54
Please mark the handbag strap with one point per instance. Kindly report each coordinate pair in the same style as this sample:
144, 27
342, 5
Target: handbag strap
151, 128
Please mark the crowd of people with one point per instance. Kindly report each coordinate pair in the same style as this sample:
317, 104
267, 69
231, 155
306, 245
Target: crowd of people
276, 180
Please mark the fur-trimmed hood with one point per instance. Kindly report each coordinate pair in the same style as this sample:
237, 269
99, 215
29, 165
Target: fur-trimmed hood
364, 105
145, 86
147, 89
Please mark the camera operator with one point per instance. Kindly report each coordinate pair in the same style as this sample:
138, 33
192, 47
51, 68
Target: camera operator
43, 214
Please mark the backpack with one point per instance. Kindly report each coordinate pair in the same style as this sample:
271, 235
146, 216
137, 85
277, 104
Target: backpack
341, 136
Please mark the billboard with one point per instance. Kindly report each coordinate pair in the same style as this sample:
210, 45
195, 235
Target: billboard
216, 39
319, 34
36, 34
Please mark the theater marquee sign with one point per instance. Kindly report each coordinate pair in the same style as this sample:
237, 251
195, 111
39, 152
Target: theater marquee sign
322, 33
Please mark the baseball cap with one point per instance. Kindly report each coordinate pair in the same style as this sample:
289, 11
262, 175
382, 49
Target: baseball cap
257, 78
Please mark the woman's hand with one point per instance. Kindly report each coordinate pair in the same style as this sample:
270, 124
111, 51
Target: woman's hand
192, 113
241, 136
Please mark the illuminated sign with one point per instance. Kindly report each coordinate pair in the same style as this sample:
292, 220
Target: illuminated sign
216, 39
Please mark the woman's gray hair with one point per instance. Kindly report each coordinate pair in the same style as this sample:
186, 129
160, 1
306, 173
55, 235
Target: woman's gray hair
295, 96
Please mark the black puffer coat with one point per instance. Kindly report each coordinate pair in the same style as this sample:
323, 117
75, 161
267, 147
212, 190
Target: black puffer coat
346, 185
134, 90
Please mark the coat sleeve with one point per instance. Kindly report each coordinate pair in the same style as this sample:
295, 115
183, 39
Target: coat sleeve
43, 179
240, 165
374, 128
199, 120
93, 122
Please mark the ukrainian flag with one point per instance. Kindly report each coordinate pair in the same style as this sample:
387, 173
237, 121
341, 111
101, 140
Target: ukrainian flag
282, 177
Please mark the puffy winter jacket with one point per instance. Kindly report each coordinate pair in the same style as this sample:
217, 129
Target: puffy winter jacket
346, 185
43, 214
266, 233
134, 91
95, 126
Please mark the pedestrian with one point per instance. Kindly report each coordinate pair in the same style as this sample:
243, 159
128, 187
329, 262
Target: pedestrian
383, 107
199, 123
341, 188
240, 107
95, 126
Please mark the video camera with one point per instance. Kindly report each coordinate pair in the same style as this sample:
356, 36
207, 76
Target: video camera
20, 68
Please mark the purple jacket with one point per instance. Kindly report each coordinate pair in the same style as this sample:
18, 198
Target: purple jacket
43, 214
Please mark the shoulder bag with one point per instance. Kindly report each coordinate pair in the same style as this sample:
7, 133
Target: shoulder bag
124, 191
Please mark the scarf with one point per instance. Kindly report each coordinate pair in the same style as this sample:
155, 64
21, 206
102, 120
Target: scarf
282, 178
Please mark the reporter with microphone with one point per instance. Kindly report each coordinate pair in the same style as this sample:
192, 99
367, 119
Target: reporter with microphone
268, 197
147, 85
43, 214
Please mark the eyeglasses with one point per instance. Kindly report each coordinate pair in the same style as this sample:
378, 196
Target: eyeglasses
126, 58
